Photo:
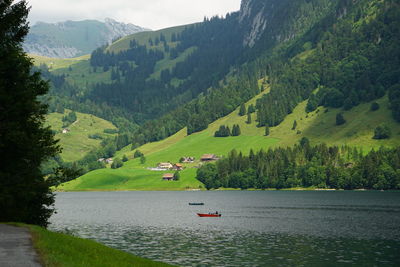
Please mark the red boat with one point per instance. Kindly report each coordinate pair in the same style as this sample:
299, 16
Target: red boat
209, 214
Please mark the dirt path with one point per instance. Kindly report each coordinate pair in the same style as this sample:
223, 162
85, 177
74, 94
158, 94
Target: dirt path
16, 248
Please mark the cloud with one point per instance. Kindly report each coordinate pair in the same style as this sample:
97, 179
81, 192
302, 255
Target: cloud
154, 14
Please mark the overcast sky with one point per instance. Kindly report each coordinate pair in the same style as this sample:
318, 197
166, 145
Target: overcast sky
153, 14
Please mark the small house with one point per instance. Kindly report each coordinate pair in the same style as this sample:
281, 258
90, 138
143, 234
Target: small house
187, 159
66, 130
178, 167
165, 165
101, 159
208, 157
109, 160
168, 176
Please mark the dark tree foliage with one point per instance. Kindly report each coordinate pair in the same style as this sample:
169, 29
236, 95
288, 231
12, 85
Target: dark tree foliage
266, 130
294, 125
223, 131
304, 166
350, 64
374, 106
242, 110
117, 163
69, 119
394, 97
236, 130
382, 132
137, 154
340, 119
24, 141
248, 121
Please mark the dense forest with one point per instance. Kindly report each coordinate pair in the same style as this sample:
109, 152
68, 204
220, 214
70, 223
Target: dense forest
345, 62
306, 166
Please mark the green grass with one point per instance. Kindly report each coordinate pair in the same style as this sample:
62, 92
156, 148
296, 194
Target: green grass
135, 176
56, 63
82, 75
319, 126
56, 249
76, 143
143, 38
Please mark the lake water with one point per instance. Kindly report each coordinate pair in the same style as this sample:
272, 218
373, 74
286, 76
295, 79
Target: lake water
257, 228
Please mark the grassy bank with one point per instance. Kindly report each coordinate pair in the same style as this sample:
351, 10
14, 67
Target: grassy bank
57, 249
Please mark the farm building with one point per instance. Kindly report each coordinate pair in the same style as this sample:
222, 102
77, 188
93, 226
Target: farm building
165, 165
187, 159
177, 167
168, 176
208, 157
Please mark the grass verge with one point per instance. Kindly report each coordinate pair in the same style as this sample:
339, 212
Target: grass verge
56, 249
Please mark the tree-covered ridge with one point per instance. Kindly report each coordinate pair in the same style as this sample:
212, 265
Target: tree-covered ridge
306, 166
349, 59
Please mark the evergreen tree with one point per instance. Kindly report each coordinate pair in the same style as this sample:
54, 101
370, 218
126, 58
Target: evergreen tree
251, 109
294, 125
340, 119
382, 132
236, 130
117, 163
142, 159
24, 140
177, 176
266, 130
137, 154
374, 106
248, 121
242, 110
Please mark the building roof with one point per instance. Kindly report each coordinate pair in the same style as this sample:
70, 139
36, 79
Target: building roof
168, 175
178, 165
208, 156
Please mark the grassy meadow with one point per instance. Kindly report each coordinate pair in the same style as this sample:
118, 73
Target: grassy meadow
77, 143
319, 126
57, 63
56, 249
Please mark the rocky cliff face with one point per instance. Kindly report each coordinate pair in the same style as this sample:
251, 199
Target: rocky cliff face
278, 21
74, 38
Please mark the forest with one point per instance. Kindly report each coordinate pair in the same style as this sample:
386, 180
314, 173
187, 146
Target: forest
305, 166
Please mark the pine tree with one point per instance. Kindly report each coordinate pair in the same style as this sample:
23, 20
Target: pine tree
25, 142
294, 125
242, 110
340, 119
248, 121
266, 130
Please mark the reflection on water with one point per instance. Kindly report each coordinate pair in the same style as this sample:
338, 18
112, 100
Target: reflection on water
256, 229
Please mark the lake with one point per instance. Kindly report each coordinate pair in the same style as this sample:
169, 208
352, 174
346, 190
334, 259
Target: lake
257, 228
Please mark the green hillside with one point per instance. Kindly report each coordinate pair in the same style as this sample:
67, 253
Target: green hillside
56, 63
143, 38
319, 126
76, 143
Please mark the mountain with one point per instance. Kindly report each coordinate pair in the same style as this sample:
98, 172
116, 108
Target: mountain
315, 56
74, 38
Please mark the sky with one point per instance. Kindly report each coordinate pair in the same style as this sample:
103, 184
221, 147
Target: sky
153, 14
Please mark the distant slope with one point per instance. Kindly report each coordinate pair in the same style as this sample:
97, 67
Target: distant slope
318, 126
74, 38
56, 63
76, 143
